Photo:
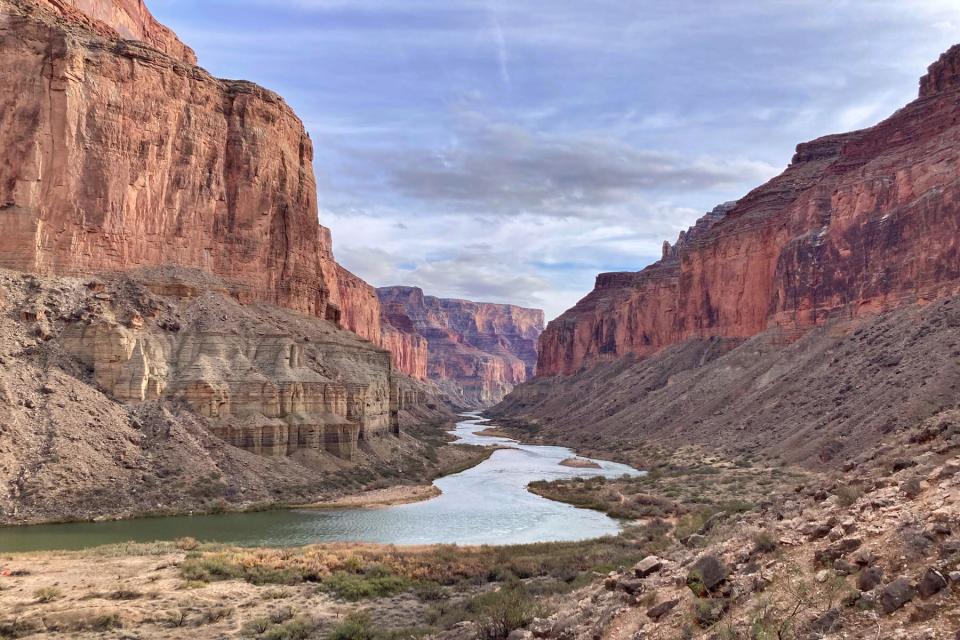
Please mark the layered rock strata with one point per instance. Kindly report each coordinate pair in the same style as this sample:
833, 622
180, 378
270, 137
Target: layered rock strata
269, 381
120, 154
859, 223
477, 352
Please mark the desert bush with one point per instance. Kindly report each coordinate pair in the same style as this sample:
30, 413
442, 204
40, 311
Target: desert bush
764, 542
298, 628
356, 627
499, 612
848, 494
187, 544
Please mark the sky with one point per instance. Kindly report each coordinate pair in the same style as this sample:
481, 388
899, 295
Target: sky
510, 150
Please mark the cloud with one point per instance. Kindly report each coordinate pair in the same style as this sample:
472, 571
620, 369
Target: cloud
503, 169
512, 150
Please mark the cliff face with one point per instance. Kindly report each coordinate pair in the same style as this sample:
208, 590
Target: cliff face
128, 19
476, 352
858, 223
118, 156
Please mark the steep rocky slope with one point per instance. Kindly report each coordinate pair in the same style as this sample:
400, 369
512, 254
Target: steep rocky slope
477, 352
859, 223
118, 156
819, 400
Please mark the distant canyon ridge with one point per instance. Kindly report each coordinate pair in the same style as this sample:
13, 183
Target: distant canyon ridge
477, 352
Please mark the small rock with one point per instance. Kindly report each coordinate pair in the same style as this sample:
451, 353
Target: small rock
896, 594
837, 550
662, 609
631, 585
822, 576
845, 568
520, 634
827, 623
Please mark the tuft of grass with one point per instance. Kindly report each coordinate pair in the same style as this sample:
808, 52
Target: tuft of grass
47, 594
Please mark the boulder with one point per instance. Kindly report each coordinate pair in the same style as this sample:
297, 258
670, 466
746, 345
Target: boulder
896, 594
932, 583
869, 578
647, 566
706, 574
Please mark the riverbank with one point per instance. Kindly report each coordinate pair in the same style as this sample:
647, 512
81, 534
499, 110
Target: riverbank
378, 498
167, 590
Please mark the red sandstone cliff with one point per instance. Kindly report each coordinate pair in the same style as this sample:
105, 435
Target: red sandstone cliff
477, 352
858, 223
118, 156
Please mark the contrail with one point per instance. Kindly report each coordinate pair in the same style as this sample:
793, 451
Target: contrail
501, 43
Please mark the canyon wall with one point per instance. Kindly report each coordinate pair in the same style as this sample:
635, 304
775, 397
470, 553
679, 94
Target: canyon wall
118, 156
477, 352
859, 223
122, 157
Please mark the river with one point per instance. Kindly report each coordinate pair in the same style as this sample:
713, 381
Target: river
487, 504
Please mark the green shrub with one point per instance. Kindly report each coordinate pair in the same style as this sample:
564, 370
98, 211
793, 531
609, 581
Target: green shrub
848, 494
352, 587
499, 612
356, 627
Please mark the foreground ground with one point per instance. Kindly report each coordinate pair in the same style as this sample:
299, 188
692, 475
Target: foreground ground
716, 549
